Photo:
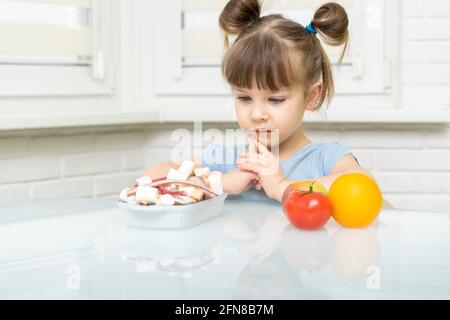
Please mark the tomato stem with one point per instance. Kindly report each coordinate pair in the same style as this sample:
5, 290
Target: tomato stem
311, 187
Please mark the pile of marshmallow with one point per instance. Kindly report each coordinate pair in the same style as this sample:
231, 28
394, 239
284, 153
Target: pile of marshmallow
182, 186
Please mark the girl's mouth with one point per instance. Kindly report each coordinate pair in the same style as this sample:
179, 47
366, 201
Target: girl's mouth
263, 130
264, 136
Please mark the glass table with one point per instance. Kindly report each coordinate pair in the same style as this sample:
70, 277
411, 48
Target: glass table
80, 249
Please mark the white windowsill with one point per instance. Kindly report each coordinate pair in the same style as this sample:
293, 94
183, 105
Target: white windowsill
25, 122
399, 116
390, 116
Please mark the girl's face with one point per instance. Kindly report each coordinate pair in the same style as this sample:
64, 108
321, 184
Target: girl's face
261, 109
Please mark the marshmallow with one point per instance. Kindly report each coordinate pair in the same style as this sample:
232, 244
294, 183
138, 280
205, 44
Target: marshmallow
132, 200
197, 194
145, 180
201, 172
184, 200
124, 195
173, 174
166, 200
131, 191
149, 194
188, 190
194, 193
199, 180
186, 169
215, 182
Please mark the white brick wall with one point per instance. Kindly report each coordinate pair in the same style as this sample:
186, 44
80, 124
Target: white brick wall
29, 169
80, 187
412, 164
90, 163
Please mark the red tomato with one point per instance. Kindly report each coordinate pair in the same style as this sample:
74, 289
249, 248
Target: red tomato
306, 210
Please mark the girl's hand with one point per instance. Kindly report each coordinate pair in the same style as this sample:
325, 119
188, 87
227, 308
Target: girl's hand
238, 181
263, 163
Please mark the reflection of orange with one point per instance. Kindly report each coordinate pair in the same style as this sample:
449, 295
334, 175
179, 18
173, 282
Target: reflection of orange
356, 200
355, 251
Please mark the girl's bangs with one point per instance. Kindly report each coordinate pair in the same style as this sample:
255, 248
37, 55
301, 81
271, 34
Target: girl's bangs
260, 60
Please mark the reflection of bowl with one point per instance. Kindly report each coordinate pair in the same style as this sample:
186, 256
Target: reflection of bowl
173, 251
181, 265
172, 217
171, 243
306, 249
355, 251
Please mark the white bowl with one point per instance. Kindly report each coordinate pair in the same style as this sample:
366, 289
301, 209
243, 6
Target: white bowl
171, 217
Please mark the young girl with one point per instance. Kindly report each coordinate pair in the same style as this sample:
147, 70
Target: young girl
277, 69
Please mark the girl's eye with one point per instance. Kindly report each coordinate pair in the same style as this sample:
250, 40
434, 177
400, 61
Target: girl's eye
246, 99
276, 100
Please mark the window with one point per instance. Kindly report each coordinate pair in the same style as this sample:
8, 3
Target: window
193, 52
55, 48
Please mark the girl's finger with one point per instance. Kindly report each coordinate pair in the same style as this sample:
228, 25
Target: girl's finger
247, 155
251, 174
266, 167
256, 156
252, 148
255, 159
262, 148
250, 167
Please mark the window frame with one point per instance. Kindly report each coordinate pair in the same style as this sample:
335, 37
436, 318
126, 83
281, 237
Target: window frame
53, 81
172, 79
135, 100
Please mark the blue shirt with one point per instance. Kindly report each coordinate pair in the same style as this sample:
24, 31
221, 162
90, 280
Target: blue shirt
312, 161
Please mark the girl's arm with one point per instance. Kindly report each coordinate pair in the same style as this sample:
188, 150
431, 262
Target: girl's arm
346, 165
233, 182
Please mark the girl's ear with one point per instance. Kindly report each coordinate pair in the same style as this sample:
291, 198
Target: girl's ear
313, 96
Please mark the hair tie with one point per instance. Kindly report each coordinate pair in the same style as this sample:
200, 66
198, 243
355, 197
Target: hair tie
311, 29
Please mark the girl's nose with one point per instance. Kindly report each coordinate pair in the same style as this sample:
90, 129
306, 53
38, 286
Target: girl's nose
259, 114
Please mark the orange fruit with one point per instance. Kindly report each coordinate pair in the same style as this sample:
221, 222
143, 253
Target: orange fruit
356, 200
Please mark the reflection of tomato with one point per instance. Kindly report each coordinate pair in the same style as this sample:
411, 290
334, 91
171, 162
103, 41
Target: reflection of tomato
306, 250
306, 210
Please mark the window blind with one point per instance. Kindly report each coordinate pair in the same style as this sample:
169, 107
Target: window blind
202, 40
45, 32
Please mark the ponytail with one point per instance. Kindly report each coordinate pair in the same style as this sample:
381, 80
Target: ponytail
239, 15
331, 23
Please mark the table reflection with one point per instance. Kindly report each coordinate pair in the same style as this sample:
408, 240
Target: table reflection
249, 252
